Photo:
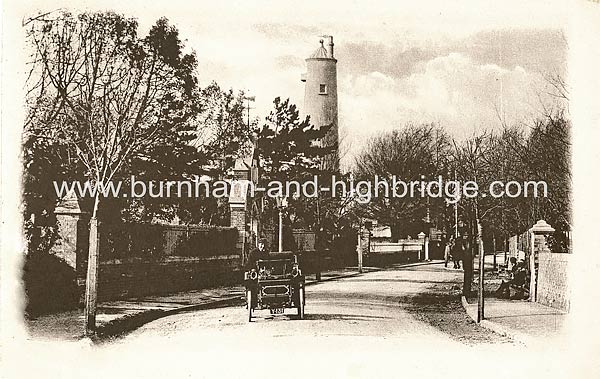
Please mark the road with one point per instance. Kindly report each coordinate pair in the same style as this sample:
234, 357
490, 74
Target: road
407, 320
419, 303
401, 321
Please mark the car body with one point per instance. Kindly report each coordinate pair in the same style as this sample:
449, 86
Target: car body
275, 284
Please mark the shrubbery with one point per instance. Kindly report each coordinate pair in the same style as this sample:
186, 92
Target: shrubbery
152, 242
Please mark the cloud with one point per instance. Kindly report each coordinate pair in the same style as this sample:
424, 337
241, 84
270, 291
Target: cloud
453, 90
535, 50
540, 51
286, 31
395, 60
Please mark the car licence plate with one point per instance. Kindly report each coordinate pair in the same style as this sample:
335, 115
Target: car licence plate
276, 311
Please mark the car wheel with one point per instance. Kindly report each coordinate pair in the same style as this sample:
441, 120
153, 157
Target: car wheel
300, 303
249, 304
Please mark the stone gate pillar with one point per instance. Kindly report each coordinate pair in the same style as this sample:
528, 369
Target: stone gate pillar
538, 233
239, 216
421, 237
73, 232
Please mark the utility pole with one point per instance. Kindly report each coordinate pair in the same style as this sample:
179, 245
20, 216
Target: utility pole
428, 223
359, 247
280, 230
252, 202
480, 299
320, 235
456, 210
248, 100
456, 220
494, 247
281, 205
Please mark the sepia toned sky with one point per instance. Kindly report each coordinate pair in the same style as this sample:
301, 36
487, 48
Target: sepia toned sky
459, 64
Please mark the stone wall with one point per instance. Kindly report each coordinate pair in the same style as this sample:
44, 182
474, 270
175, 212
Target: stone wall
403, 251
238, 218
552, 286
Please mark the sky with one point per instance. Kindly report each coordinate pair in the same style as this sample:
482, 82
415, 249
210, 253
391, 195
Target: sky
464, 65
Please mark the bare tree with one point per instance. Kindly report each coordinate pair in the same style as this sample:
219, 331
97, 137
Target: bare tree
108, 94
410, 154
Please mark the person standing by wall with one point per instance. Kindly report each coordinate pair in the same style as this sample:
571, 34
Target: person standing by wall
458, 248
447, 250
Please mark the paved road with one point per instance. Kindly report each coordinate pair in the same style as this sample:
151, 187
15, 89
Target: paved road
403, 322
419, 303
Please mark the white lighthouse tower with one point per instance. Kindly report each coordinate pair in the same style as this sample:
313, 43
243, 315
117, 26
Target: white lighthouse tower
320, 96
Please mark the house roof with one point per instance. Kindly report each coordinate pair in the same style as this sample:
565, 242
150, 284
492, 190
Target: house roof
245, 162
382, 232
241, 165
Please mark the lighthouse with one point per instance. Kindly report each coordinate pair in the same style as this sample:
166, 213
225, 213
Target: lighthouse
320, 96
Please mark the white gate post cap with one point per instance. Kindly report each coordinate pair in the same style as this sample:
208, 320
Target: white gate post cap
542, 227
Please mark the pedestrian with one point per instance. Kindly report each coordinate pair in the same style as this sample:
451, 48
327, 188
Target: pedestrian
447, 250
512, 263
458, 252
517, 281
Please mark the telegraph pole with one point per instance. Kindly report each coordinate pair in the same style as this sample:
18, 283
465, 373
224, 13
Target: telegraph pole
321, 249
494, 247
359, 247
282, 203
248, 100
456, 210
280, 230
480, 299
252, 202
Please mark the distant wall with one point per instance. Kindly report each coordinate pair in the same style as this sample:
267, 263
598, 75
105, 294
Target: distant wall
402, 246
552, 287
403, 251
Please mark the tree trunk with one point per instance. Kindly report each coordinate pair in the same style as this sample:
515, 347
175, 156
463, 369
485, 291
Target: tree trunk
467, 269
91, 283
468, 263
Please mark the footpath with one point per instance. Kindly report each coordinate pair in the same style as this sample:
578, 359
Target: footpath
116, 317
530, 323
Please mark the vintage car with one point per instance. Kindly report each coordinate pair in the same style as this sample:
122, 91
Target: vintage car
275, 284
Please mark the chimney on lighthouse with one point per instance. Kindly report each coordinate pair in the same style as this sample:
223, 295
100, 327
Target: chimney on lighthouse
329, 40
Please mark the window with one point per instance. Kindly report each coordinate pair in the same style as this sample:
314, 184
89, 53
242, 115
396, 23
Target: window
323, 89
